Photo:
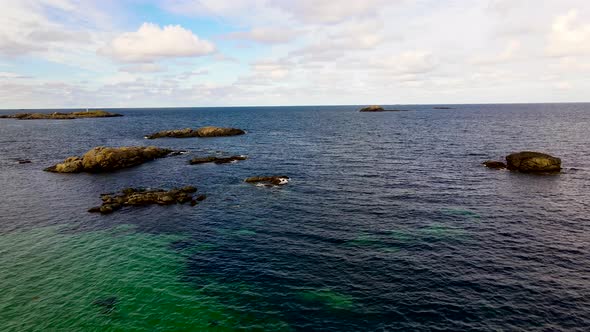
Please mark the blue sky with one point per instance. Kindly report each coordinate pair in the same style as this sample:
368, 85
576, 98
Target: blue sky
134, 53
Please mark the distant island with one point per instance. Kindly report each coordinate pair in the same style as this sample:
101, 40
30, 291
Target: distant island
375, 108
61, 116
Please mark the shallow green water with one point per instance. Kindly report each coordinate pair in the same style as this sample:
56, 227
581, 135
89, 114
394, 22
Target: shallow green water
116, 280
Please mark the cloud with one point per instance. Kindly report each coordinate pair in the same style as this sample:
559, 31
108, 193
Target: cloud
329, 11
150, 43
569, 36
265, 35
27, 28
10, 75
142, 68
412, 62
507, 55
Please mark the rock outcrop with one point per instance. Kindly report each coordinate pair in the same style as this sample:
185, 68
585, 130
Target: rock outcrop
201, 132
533, 162
217, 160
375, 108
277, 180
142, 197
105, 159
494, 164
60, 116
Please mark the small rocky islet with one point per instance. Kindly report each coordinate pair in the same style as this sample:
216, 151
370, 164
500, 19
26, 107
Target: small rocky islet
108, 159
200, 132
61, 116
376, 108
216, 160
143, 197
275, 180
527, 162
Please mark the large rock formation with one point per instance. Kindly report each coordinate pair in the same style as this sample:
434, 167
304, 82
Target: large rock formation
533, 162
375, 108
217, 160
105, 159
201, 132
60, 116
276, 180
142, 197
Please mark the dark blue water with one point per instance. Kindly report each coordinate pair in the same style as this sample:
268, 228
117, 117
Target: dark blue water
389, 221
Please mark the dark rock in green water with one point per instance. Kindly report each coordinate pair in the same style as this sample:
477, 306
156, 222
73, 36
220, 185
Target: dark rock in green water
201, 198
142, 197
533, 162
108, 304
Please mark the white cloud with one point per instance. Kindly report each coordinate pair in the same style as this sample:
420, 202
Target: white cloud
330, 11
265, 35
508, 54
569, 36
412, 62
150, 43
142, 68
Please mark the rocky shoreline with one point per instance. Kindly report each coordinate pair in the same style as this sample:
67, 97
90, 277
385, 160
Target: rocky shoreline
200, 132
61, 116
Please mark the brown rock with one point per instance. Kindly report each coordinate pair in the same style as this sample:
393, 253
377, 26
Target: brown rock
269, 180
217, 160
217, 131
61, 116
201, 132
375, 108
142, 197
494, 164
533, 162
104, 159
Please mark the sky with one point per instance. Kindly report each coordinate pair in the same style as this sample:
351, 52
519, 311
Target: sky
192, 53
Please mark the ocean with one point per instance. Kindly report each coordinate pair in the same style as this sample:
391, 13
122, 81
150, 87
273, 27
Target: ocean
389, 222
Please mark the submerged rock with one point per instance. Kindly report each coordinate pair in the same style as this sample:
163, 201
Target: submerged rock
494, 164
201, 132
269, 180
217, 160
142, 197
60, 116
533, 162
375, 108
105, 159
108, 304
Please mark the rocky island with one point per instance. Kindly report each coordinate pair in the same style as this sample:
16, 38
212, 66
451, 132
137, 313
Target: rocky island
277, 180
61, 116
142, 197
200, 132
217, 160
528, 162
106, 159
375, 108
